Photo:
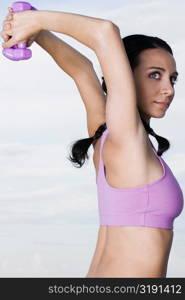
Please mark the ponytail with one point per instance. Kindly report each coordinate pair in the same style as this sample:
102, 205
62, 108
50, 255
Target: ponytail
163, 143
79, 150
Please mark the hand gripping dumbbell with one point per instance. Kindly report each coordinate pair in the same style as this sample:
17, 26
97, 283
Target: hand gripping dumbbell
19, 51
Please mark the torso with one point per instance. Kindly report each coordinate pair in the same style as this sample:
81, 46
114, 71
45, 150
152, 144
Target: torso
130, 251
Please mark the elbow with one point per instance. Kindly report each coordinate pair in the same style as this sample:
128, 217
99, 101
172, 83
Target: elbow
109, 26
107, 29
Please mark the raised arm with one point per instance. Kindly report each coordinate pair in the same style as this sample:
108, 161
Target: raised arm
102, 36
85, 29
67, 58
122, 116
81, 70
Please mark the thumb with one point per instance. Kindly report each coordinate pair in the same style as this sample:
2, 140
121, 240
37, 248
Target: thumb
11, 42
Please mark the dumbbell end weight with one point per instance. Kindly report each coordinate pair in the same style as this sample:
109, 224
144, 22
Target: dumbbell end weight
17, 53
21, 6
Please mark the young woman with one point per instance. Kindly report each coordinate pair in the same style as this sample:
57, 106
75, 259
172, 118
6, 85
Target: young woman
138, 195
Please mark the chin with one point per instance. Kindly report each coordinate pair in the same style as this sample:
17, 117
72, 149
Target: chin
158, 114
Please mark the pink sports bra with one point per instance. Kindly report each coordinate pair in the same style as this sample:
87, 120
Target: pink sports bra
155, 205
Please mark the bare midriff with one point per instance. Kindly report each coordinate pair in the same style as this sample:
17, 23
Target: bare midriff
131, 251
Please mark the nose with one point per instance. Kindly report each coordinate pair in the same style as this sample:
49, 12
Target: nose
168, 89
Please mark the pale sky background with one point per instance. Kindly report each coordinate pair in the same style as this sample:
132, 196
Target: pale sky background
48, 208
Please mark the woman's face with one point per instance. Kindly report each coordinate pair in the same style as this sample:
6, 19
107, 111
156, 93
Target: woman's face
154, 85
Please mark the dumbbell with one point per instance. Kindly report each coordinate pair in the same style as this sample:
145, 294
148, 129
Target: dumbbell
19, 51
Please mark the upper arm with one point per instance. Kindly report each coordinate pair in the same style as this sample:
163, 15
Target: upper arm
122, 116
93, 97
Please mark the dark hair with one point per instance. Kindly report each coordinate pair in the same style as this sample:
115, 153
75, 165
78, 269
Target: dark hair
134, 45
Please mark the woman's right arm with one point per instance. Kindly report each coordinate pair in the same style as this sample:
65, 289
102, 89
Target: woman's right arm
68, 59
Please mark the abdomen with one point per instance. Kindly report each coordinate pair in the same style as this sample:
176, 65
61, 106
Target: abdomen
135, 252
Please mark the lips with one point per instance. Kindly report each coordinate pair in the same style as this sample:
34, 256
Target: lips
166, 104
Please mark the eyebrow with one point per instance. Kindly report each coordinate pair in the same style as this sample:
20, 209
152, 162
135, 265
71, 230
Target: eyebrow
162, 69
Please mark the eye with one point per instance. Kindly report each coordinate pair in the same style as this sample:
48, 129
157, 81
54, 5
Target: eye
175, 79
154, 74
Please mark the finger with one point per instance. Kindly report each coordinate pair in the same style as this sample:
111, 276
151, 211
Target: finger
9, 32
9, 43
4, 36
5, 22
10, 9
7, 26
9, 17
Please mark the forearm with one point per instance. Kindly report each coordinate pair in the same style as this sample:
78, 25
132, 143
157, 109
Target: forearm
69, 59
85, 29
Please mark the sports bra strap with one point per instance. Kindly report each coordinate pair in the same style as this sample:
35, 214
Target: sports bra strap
103, 138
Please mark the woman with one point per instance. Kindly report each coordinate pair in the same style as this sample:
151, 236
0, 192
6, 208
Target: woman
138, 195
